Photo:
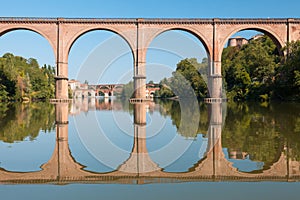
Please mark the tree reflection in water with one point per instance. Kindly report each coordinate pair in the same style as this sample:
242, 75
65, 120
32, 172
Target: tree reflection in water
20, 121
253, 131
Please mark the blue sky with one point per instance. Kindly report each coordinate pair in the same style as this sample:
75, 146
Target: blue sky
153, 8
28, 44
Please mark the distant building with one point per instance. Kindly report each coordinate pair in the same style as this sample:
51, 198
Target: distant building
240, 41
74, 84
80, 90
151, 89
255, 37
237, 41
237, 155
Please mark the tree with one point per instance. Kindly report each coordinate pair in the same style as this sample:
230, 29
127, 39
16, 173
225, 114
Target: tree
288, 74
151, 82
249, 71
186, 81
21, 78
19, 121
128, 90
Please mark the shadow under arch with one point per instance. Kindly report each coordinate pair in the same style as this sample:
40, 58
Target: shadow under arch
271, 34
36, 31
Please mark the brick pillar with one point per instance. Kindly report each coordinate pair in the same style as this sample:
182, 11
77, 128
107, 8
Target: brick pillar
214, 72
61, 90
61, 81
215, 80
140, 65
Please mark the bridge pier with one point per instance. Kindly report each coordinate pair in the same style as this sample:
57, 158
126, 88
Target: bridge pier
140, 65
140, 81
61, 88
215, 81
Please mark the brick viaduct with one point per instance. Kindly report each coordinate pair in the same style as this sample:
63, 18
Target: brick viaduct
61, 34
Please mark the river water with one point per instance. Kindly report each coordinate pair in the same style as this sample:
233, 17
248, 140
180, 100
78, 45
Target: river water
111, 149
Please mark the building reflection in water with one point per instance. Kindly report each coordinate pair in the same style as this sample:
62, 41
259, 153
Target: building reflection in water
139, 168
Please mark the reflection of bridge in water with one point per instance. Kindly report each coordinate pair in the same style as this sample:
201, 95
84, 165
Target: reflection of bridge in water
109, 90
90, 104
140, 169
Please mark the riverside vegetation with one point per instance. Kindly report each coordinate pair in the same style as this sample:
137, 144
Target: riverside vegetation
255, 71
24, 79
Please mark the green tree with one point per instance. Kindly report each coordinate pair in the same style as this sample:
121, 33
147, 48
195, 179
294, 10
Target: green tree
288, 74
249, 71
21, 78
185, 118
128, 90
19, 121
186, 81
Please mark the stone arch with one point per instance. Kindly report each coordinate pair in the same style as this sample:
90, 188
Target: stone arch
274, 36
103, 87
197, 34
111, 30
35, 30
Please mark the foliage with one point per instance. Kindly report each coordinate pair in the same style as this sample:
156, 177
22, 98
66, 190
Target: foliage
249, 71
186, 81
128, 90
185, 118
255, 71
24, 78
20, 121
288, 75
262, 132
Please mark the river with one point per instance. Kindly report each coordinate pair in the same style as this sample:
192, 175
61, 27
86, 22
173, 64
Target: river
110, 149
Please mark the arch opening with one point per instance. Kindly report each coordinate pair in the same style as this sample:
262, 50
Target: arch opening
176, 50
250, 58
27, 65
100, 56
251, 33
177, 62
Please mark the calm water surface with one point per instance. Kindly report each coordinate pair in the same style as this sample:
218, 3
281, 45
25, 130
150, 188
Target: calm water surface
109, 149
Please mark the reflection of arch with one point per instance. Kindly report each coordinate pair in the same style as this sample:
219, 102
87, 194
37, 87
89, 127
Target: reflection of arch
276, 156
63, 168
